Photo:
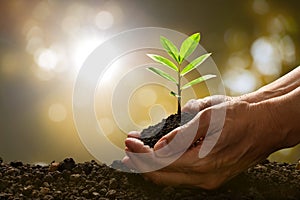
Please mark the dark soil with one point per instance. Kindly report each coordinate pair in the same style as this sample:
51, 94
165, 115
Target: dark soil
91, 180
152, 134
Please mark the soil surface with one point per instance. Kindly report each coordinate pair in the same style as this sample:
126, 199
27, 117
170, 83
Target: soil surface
91, 180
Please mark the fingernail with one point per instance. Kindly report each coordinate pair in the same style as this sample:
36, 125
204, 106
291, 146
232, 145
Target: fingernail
134, 134
160, 144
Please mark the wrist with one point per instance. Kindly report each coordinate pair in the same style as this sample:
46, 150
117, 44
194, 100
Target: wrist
266, 127
285, 111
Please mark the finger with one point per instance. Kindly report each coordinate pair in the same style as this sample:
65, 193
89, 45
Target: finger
143, 162
172, 143
201, 155
142, 157
194, 106
191, 106
136, 146
134, 134
181, 138
126, 161
189, 161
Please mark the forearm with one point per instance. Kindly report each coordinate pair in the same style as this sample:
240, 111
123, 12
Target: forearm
281, 86
284, 111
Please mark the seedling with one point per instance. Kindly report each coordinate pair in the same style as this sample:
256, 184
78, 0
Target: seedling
188, 46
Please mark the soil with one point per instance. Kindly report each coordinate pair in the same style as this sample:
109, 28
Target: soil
92, 180
152, 134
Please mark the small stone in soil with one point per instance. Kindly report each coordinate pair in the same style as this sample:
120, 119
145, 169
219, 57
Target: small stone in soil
113, 183
111, 193
53, 166
67, 164
16, 164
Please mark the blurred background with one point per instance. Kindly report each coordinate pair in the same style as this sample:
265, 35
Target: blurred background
44, 43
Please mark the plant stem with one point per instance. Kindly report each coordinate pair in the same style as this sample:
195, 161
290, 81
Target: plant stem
179, 92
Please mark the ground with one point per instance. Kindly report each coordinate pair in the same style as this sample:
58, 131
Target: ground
92, 180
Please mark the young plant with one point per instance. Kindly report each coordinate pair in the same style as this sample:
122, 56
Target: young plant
187, 48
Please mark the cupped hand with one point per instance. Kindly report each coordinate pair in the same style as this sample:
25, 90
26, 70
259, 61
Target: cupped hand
233, 142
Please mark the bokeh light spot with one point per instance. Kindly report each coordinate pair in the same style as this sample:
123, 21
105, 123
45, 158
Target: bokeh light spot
47, 59
57, 112
240, 81
266, 56
104, 20
238, 62
33, 44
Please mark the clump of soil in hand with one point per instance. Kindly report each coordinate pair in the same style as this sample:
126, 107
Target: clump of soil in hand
92, 180
153, 133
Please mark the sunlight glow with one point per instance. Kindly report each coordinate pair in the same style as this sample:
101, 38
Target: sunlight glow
157, 112
46, 59
146, 97
285, 152
82, 49
104, 20
107, 125
57, 112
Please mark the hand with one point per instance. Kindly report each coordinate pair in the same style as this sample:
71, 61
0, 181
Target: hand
196, 105
240, 144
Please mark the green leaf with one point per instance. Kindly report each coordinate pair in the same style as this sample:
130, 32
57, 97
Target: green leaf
188, 46
164, 61
162, 74
194, 64
174, 94
170, 48
198, 80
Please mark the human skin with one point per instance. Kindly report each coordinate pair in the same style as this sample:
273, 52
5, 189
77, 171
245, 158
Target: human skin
256, 125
